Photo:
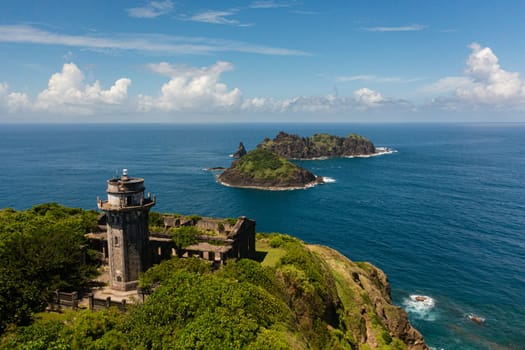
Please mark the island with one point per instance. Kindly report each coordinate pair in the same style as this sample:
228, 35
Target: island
318, 146
263, 169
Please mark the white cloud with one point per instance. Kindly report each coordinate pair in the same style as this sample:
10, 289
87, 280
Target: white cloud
217, 17
368, 97
154, 43
152, 9
67, 93
447, 85
363, 99
484, 83
14, 101
269, 4
192, 89
490, 83
364, 77
17, 101
200, 90
410, 28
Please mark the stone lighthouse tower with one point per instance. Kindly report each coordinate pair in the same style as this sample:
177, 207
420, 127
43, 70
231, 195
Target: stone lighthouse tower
127, 230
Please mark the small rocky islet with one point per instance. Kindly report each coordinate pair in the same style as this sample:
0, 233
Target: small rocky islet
262, 169
269, 167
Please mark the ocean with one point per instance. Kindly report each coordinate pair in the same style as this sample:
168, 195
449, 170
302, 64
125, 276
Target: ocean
444, 216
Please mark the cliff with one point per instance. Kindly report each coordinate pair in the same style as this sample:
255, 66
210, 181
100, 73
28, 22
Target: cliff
367, 309
265, 170
317, 146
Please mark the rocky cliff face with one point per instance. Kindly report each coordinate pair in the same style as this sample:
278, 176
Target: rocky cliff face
317, 146
368, 312
241, 151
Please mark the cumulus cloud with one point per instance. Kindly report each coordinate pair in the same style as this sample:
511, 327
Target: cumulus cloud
66, 92
18, 101
362, 99
368, 97
490, 83
192, 89
200, 90
188, 89
152, 9
484, 82
14, 101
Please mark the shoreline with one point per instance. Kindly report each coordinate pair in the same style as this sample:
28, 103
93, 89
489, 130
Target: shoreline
381, 151
274, 188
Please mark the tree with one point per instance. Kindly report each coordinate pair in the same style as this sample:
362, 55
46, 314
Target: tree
41, 250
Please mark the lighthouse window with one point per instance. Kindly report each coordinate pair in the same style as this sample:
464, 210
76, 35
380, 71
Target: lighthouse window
128, 200
115, 240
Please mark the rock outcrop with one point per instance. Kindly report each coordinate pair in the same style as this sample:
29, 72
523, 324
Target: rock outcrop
241, 151
292, 146
265, 170
364, 291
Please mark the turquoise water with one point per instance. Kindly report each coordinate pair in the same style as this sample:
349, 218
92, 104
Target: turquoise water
444, 216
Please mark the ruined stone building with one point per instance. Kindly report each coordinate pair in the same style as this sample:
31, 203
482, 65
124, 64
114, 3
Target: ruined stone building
126, 243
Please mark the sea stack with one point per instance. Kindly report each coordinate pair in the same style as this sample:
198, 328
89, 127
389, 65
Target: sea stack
241, 151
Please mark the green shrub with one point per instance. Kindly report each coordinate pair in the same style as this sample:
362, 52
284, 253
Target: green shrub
263, 164
185, 236
156, 219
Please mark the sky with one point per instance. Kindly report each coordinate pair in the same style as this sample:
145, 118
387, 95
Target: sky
186, 61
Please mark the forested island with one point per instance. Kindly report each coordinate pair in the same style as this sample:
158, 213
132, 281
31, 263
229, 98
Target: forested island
292, 296
318, 146
268, 167
263, 169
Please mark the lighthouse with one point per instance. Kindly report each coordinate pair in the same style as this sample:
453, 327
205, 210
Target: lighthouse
127, 230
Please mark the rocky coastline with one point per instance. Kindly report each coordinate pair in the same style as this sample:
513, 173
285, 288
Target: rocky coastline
287, 187
364, 291
318, 146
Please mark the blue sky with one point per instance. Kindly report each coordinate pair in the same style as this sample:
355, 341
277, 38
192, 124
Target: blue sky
293, 61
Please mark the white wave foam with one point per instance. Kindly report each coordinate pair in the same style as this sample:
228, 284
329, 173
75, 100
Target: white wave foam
421, 306
379, 152
328, 180
384, 150
476, 319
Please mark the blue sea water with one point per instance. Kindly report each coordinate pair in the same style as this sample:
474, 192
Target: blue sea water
443, 217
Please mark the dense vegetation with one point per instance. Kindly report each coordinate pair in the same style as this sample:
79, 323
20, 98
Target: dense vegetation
41, 250
294, 297
289, 300
262, 164
185, 236
319, 145
262, 168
